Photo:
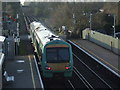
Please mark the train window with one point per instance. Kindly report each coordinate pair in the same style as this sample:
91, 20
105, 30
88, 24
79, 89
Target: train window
57, 55
63, 54
51, 54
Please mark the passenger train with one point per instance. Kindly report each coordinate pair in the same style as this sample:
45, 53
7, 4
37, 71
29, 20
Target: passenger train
56, 54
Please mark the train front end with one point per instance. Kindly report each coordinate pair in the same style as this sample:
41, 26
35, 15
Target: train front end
57, 59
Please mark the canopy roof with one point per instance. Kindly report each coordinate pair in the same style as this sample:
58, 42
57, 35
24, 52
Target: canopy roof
2, 38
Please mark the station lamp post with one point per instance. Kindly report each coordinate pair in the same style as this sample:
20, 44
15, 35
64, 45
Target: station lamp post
6, 9
114, 25
74, 21
90, 18
73, 18
114, 16
90, 21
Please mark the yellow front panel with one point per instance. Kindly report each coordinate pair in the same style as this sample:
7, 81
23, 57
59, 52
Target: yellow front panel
57, 45
58, 66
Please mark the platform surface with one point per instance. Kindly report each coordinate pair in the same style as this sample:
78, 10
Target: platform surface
24, 70
105, 56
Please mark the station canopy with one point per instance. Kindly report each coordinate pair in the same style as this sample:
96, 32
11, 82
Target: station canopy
2, 38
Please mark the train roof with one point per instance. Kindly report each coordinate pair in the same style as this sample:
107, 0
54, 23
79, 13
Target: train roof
43, 34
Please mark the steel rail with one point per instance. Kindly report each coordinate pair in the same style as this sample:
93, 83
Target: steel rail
40, 79
71, 84
81, 77
93, 72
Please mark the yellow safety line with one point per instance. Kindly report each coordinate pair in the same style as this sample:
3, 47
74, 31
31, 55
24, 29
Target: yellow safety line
97, 57
32, 73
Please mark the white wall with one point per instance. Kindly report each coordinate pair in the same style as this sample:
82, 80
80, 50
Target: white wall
103, 40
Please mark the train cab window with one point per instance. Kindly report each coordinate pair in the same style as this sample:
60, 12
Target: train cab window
63, 54
51, 54
54, 55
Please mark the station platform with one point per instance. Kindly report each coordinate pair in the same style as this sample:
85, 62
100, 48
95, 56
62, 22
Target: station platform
103, 56
24, 71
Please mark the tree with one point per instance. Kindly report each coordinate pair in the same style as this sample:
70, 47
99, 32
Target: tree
61, 14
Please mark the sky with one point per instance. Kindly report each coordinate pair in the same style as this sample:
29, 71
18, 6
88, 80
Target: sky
22, 1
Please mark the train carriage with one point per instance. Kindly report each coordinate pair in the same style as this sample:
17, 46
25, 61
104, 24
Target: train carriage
56, 53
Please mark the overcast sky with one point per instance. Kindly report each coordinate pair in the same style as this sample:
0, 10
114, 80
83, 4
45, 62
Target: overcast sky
22, 1
74, 0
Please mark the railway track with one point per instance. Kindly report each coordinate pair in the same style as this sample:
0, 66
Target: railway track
93, 79
92, 71
55, 83
82, 78
71, 84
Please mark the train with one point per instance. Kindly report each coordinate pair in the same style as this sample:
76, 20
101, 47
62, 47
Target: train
55, 54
